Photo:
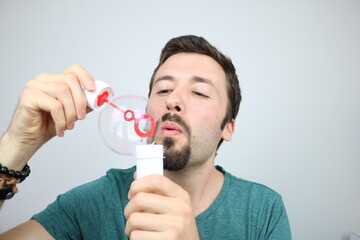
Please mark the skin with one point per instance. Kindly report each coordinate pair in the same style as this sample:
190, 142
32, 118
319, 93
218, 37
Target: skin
160, 207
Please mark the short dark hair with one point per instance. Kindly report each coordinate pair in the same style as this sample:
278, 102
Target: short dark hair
199, 45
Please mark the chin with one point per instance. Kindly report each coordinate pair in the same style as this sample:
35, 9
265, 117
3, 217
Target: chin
160, 139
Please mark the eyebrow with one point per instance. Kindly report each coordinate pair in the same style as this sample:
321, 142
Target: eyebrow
165, 77
203, 80
194, 79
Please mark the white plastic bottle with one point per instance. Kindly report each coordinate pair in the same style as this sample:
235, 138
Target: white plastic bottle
149, 160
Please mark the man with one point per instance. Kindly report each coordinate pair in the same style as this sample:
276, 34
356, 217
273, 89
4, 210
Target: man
194, 95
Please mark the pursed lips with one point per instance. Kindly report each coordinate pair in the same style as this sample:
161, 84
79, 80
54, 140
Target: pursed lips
170, 129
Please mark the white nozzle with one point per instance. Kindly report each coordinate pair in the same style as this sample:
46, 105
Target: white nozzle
149, 160
102, 90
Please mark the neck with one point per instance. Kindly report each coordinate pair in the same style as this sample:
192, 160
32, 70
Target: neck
203, 183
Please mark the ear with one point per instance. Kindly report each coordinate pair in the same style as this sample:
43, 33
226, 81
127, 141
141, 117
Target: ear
228, 130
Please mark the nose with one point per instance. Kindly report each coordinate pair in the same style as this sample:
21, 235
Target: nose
174, 103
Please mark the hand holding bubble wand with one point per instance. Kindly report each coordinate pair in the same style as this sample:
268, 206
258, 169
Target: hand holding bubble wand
124, 125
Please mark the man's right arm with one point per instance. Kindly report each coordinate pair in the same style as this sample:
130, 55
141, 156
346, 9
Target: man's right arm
49, 105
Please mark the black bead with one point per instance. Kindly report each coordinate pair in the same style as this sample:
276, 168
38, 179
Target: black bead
17, 174
3, 170
11, 173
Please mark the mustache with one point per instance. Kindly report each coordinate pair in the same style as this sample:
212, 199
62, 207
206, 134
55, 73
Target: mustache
176, 119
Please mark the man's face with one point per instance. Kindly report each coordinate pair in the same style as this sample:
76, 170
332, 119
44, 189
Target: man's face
189, 100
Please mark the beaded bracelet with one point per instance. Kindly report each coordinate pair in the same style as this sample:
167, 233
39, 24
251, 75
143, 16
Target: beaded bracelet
24, 173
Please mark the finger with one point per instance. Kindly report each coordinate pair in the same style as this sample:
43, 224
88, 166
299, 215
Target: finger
146, 222
152, 203
145, 235
43, 102
79, 97
83, 76
155, 184
62, 93
73, 83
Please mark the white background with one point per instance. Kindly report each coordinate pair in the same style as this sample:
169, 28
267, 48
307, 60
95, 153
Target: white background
298, 130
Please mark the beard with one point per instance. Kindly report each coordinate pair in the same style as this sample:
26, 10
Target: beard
175, 159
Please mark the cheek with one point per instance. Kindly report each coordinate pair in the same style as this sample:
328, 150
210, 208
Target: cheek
207, 132
152, 108
208, 124
211, 114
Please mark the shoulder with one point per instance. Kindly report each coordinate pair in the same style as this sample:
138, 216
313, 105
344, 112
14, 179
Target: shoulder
116, 181
249, 190
253, 187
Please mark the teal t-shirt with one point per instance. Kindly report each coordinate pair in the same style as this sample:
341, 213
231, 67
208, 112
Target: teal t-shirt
242, 210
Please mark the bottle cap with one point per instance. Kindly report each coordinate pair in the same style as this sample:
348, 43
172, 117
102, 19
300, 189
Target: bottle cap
149, 151
149, 160
96, 99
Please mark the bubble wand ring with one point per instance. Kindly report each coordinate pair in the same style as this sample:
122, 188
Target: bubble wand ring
129, 115
137, 121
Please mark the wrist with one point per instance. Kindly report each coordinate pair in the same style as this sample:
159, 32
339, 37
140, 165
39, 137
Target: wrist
13, 154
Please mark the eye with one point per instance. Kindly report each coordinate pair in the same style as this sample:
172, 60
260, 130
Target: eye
199, 94
164, 91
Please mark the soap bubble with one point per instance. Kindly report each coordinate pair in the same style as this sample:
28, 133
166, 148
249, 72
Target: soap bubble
123, 123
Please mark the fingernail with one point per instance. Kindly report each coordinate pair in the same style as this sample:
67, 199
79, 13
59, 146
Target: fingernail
91, 85
82, 114
71, 125
61, 133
